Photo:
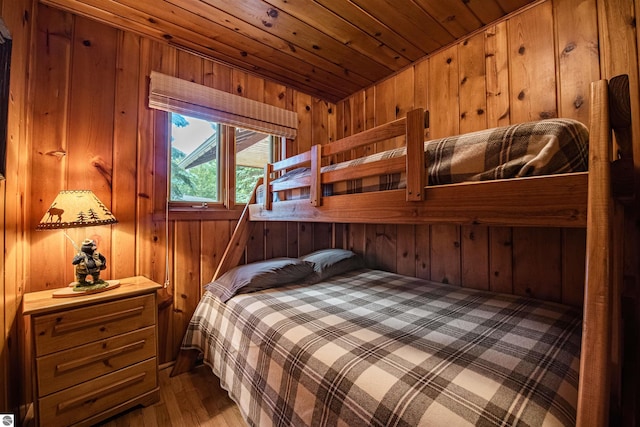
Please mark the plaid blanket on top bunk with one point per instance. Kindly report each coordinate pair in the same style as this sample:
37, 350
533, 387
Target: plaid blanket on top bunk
544, 147
372, 348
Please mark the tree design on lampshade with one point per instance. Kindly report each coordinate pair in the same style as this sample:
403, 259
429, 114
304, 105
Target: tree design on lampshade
76, 208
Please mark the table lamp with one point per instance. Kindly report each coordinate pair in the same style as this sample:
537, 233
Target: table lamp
80, 208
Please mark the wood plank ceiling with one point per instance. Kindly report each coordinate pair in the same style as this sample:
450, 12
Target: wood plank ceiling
326, 48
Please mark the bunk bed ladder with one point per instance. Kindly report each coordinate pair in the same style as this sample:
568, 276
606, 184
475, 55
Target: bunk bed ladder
235, 249
186, 359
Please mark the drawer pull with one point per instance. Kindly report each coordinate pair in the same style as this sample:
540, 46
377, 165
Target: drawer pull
63, 367
63, 406
70, 326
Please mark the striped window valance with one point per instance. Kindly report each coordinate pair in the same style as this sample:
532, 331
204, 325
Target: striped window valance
176, 95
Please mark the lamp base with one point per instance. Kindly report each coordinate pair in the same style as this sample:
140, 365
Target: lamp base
72, 291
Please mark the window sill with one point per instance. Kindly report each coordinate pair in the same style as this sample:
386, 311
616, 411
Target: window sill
198, 214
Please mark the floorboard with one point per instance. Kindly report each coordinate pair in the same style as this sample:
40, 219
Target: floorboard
191, 399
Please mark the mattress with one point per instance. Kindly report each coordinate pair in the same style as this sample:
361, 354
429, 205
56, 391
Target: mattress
544, 147
373, 348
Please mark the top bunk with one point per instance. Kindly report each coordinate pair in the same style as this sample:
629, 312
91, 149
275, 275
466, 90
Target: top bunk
528, 174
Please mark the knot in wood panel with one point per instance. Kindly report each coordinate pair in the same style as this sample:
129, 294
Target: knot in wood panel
103, 168
57, 153
548, 114
571, 46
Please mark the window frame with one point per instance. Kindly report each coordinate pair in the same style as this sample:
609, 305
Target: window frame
169, 94
227, 172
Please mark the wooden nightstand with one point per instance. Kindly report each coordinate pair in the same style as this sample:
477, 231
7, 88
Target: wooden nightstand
93, 355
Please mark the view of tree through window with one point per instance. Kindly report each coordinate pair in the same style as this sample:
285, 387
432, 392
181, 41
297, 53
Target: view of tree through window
253, 151
195, 167
194, 159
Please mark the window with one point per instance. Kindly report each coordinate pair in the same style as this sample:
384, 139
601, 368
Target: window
196, 172
219, 141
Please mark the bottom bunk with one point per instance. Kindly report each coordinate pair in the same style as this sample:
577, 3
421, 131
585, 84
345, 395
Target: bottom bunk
477, 358
372, 348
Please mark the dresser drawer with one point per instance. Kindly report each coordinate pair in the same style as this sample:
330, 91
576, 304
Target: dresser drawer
88, 399
67, 368
72, 328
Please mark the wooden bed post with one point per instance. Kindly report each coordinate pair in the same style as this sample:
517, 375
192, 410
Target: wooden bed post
622, 178
267, 193
315, 189
593, 391
416, 163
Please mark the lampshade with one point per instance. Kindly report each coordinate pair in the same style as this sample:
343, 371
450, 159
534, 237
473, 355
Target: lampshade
76, 208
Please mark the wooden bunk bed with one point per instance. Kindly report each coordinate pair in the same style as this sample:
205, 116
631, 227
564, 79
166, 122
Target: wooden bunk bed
582, 199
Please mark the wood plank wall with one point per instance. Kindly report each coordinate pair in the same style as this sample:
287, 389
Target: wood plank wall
86, 125
17, 15
92, 129
536, 64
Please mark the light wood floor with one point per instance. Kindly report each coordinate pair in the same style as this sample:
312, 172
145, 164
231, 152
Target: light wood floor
191, 399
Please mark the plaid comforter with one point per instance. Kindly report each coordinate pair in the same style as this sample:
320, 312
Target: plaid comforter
544, 147
372, 348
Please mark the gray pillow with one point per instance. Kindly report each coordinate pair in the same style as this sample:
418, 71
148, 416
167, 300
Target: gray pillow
259, 275
329, 262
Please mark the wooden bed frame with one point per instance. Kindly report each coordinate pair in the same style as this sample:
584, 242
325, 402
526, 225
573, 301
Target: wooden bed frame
585, 199
555, 200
